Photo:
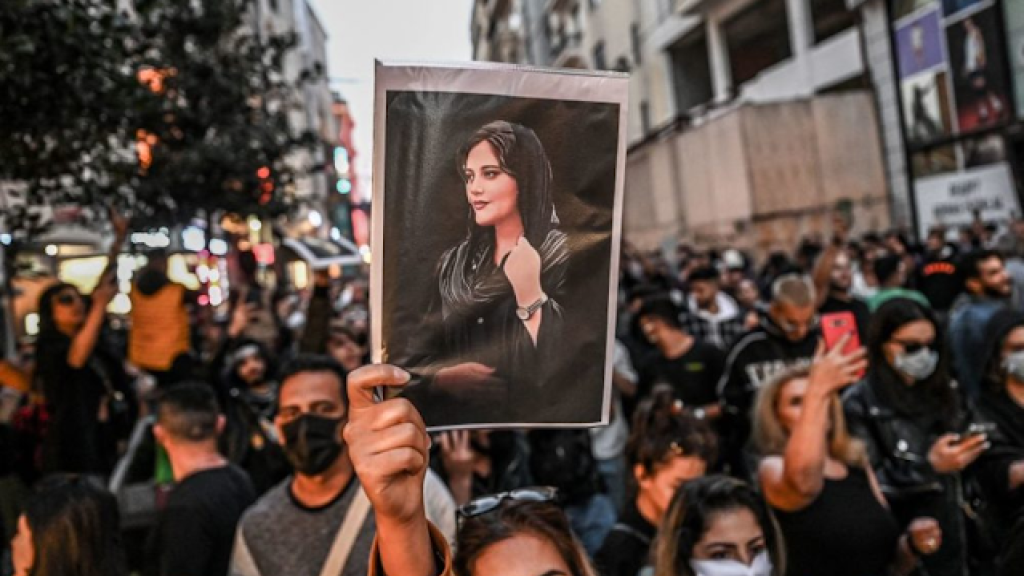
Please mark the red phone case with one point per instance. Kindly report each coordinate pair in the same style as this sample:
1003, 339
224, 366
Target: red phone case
836, 325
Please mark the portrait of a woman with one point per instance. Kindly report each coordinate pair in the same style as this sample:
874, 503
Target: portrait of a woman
497, 316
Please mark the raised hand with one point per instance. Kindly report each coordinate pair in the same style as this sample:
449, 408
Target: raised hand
833, 370
389, 448
522, 268
105, 290
388, 444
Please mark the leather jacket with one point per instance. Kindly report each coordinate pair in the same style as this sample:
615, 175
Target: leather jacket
897, 443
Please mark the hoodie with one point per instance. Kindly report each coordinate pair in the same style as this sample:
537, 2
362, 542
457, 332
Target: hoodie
719, 329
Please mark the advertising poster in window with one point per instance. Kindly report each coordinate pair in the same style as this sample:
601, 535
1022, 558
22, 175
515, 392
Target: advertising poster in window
497, 223
951, 200
977, 66
920, 44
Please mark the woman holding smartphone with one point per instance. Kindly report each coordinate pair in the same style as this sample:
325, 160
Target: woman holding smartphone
909, 414
833, 517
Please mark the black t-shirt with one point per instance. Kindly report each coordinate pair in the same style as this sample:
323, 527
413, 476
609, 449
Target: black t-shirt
860, 310
694, 375
195, 533
940, 281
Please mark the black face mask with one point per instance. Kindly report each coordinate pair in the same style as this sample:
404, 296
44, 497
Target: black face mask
311, 443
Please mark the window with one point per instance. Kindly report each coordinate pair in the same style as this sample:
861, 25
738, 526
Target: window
634, 33
757, 39
599, 60
691, 71
830, 18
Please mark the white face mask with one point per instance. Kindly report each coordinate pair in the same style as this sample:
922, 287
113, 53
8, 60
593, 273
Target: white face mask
1014, 365
295, 320
919, 365
761, 566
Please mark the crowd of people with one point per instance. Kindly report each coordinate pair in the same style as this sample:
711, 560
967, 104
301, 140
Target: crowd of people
854, 406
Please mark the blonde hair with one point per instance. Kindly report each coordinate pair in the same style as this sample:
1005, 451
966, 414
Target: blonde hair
771, 437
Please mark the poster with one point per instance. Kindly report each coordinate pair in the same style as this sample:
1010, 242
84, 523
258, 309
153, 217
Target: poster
497, 222
1014, 17
926, 107
977, 67
952, 199
919, 44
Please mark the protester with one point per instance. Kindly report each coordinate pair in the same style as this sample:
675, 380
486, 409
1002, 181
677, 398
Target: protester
196, 527
715, 526
479, 462
520, 530
938, 276
1000, 469
817, 479
988, 293
667, 447
833, 282
70, 527
345, 346
891, 272
83, 381
712, 316
786, 337
908, 413
159, 341
321, 515
690, 366
248, 393
564, 460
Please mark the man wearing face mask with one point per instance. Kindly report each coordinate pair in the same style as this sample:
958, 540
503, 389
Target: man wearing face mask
988, 293
318, 521
786, 338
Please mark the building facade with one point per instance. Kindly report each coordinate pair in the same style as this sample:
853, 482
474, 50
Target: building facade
750, 120
949, 77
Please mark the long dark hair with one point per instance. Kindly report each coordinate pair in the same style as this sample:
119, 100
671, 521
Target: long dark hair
544, 520
521, 155
75, 529
690, 514
934, 394
662, 429
47, 324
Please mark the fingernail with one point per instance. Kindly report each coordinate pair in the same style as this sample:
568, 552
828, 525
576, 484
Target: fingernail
988, 445
406, 377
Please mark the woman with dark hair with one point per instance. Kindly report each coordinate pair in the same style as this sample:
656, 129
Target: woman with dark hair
517, 533
832, 516
70, 527
908, 412
666, 449
1000, 470
496, 317
714, 526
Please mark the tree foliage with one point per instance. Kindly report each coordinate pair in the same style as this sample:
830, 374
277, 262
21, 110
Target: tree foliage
175, 109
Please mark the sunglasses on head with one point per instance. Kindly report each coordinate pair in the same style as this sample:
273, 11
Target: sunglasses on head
912, 347
492, 502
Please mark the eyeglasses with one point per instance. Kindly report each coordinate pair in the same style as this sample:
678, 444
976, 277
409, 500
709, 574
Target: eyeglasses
911, 347
492, 502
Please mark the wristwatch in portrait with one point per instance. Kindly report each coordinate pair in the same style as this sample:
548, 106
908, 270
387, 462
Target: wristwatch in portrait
525, 314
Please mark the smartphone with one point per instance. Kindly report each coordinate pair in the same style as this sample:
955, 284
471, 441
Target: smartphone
838, 324
977, 429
